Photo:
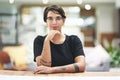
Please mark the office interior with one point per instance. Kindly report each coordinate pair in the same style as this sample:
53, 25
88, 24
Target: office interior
95, 22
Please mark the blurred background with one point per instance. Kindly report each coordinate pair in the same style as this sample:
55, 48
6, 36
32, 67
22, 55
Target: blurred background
95, 22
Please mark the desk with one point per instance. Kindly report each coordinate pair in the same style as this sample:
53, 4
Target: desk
29, 73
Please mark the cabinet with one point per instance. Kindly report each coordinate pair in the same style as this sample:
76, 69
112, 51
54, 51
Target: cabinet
89, 35
88, 28
8, 29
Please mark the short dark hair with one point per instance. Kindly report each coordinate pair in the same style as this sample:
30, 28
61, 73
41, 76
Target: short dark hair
54, 8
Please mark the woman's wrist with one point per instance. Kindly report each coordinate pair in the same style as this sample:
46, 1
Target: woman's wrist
53, 70
47, 39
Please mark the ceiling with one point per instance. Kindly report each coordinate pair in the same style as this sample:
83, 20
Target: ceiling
61, 1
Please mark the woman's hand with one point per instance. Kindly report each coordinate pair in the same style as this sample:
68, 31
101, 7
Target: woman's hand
42, 69
52, 33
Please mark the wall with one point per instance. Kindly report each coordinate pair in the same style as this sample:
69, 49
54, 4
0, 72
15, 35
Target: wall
106, 19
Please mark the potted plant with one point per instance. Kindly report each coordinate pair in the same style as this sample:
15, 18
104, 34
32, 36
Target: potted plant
115, 56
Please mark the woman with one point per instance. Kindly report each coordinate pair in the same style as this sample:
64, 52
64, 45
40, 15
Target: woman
57, 52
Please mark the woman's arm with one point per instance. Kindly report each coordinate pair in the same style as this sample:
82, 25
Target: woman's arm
45, 57
78, 66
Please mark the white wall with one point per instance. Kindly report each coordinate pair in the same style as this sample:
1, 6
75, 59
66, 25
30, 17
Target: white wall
106, 19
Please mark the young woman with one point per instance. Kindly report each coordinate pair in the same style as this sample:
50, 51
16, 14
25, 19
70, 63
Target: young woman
57, 52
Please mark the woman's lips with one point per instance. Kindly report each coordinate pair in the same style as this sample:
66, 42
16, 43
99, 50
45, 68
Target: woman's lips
55, 27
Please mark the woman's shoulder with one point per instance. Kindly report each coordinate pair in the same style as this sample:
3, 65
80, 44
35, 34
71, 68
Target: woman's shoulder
39, 37
72, 36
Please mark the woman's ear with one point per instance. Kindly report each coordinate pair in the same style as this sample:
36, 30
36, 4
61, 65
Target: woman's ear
64, 20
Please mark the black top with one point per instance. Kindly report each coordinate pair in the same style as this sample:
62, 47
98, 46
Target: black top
61, 54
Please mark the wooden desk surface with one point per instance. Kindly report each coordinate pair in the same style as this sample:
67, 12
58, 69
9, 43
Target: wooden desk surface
29, 73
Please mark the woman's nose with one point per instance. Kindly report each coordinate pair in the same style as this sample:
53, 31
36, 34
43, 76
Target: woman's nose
54, 21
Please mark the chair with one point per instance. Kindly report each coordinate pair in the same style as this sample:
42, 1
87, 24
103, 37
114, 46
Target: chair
97, 59
4, 58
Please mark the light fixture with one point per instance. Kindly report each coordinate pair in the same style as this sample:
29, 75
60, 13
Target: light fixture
79, 1
87, 6
11, 1
45, 1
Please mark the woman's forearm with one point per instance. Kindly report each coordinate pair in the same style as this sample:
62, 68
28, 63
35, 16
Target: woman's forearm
76, 67
45, 57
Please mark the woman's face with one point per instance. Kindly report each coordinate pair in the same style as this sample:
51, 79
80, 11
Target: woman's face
54, 21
